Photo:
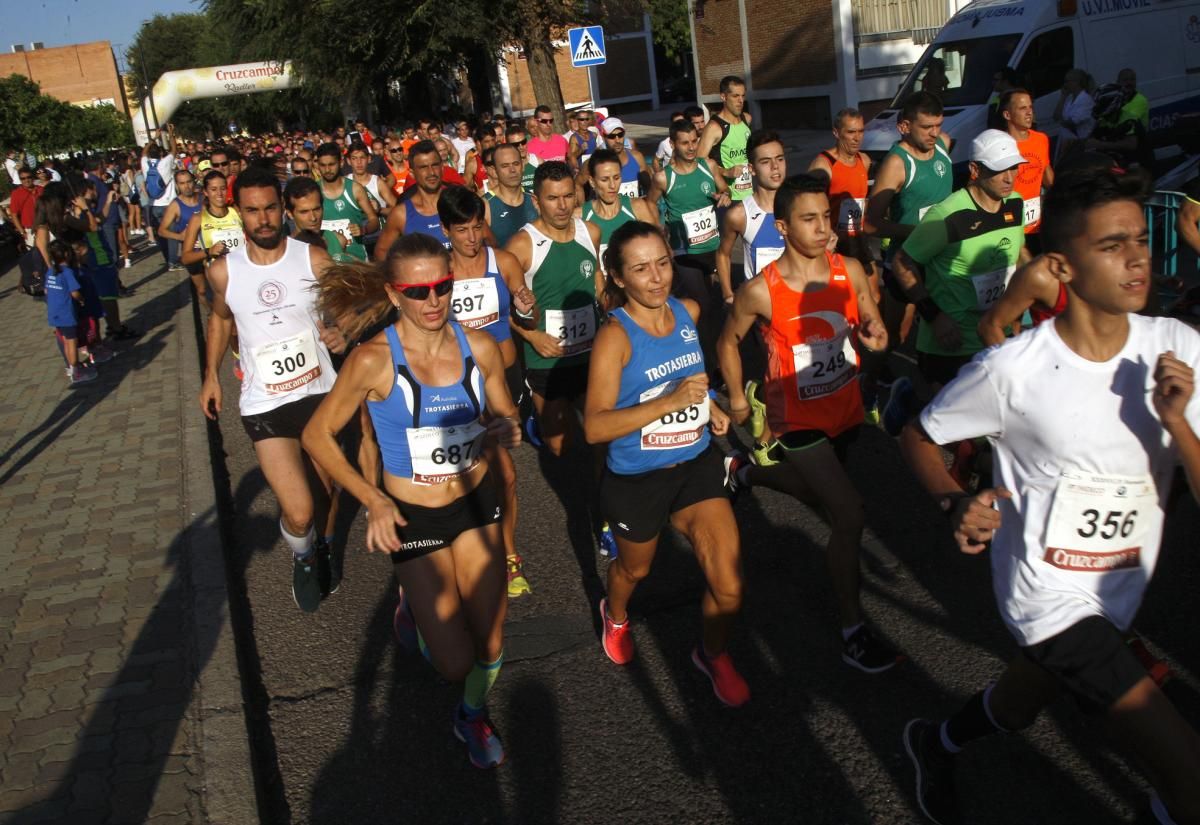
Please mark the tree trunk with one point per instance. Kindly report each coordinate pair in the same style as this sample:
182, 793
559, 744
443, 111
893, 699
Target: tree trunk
543, 73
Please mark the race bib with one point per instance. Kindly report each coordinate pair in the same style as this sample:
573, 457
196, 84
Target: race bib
765, 257
629, 189
574, 328
341, 226
701, 225
681, 428
1098, 524
289, 364
442, 453
824, 368
743, 183
1033, 211
232, 238
851, 210
990, 286
475, 302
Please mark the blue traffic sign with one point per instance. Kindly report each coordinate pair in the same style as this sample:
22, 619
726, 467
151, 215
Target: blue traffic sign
587, 45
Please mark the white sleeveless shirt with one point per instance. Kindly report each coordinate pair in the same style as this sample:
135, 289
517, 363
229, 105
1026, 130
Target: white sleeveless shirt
283, 359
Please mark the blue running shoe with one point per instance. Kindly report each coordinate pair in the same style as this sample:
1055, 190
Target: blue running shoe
476, 732
608, 542
900, 402
533, 433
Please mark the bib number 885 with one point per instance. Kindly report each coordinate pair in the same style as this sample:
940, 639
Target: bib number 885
1115, 523
683, 416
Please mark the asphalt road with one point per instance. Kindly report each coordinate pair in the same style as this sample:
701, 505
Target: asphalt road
354, 731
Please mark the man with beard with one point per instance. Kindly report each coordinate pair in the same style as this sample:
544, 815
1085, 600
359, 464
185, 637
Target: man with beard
347, 205
264, 288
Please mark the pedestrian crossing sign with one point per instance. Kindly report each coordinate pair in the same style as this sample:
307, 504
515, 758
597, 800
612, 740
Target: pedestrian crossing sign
587, 45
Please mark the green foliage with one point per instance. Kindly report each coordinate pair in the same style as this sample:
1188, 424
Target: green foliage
32, 121
671, 30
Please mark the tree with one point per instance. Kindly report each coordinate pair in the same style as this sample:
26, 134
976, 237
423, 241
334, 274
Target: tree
669, 19
38, 123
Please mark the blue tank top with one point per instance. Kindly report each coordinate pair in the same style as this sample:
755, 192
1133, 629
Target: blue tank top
762, 242
629, 169
185, 214
430, 434
416, 223
655, 366
482, 303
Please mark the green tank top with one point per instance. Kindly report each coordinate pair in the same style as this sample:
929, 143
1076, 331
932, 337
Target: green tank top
336, 216
562, 278
731, 153
926, 183
508, 220
609, 225
527, 177
691, 213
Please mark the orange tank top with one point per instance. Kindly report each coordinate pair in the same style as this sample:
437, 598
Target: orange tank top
847, 193
1028, 184
811, 361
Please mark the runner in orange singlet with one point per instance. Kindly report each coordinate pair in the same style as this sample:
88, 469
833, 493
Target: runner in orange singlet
812, 306
1035, 174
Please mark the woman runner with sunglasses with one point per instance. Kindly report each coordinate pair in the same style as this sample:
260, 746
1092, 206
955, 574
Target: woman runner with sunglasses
436, 393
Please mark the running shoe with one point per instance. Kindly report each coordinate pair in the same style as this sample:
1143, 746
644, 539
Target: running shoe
81, 374
734, 462
533, 433
895, 414
128, 264
101, 354
729, 686
517, 583
935, 771
756, 424
871, 414
306, 583
476, 732
761, 454
616, 640
865, 651
404, 627
607, 541
328, 568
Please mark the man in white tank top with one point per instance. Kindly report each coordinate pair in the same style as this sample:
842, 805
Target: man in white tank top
768, 169
265, 289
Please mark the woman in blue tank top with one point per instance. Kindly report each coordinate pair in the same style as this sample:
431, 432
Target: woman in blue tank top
436, 397
648, 399
483, 280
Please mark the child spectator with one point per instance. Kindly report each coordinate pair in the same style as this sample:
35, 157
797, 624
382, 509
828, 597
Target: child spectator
63, 293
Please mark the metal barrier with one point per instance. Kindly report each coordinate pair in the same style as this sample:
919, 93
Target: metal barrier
1169, 256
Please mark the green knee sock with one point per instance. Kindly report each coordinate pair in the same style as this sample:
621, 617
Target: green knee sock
479, 682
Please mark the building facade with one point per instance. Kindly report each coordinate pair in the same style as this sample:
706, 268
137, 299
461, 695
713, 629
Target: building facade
84, 74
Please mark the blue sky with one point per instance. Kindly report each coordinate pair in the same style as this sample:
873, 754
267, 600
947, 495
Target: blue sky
63, 22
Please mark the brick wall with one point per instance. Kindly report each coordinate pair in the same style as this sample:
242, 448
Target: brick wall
718, 42
572, 81
627, 72
75, 74
791, 43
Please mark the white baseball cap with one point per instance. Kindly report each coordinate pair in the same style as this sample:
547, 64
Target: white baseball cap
996, 150
611, 124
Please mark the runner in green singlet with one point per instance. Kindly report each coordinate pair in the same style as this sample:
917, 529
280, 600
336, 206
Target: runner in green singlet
508, 207
692, 188
346, 206
725, 137
610, 209
514, 135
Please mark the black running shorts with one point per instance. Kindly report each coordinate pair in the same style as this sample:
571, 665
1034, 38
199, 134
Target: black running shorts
638, 506
799, 440
285, 421
429, 529
1092, 660
568, 382
940, 369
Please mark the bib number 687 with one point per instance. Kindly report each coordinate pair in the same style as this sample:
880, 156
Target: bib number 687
452, 453
1116, 522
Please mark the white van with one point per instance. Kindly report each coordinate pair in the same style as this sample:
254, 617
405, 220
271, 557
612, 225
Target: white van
1042, 40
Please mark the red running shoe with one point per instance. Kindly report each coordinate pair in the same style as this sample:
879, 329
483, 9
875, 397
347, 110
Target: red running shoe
616, 641
727, 683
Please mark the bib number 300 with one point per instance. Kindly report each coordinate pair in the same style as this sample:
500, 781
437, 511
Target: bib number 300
288, 364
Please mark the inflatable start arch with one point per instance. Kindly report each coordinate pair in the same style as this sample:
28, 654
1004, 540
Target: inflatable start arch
174, 88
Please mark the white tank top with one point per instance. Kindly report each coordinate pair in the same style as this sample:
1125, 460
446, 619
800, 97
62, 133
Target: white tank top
283, 359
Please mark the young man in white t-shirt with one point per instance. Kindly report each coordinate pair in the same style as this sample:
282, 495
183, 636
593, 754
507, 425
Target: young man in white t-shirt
1088, 416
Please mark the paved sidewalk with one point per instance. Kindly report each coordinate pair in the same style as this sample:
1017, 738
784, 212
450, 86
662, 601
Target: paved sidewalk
119, 693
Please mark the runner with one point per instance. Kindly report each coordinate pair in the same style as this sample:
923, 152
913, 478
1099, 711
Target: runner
753, 219
417, 213
957, 262
610, 209
725, 136
378, 190
476, 170
663, 153
397, 163
811, 305
648, 400
515, 135
1033, 289
546, 144
305, 209
264, 290
633, 164
215, 230
557, 254
485, 279
582, 142
437, 513
345, 205
175, 220
915, 174
508, 206
1076, 433
1036, 174
848, 171
464, 146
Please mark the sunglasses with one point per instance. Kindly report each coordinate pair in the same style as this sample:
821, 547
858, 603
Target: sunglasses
419, 292
396, 151
219, 165
616, 135
545, 120
517, 143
